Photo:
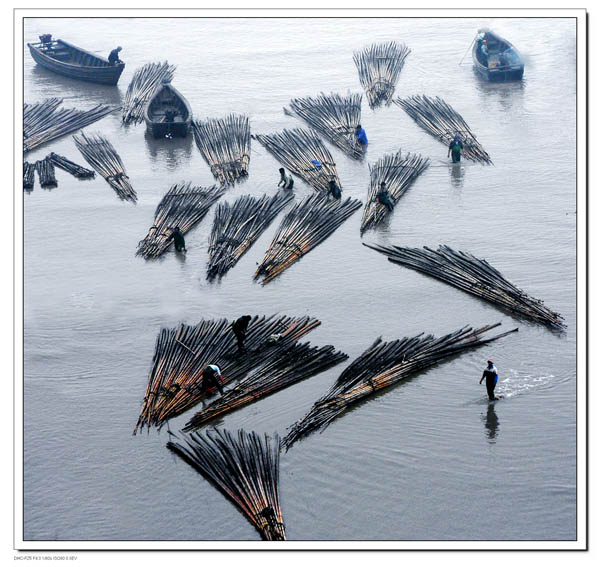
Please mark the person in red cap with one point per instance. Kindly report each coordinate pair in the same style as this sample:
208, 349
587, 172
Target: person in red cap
491, 378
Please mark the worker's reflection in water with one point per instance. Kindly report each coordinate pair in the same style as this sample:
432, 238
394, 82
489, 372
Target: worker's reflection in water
456, 175
491, 423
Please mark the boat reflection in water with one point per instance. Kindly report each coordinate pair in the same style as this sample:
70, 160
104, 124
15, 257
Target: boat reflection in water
505, 95
172, 151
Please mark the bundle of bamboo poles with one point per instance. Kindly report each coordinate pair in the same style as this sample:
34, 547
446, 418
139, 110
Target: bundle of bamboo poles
297, 363
334, 116
382, 365
43, 122
28, 175
225, 145
304, 227
298, 150
440, 120
245, 470
46, 173
183, 206
143, 85
379, 67
398, 173
71, 167
181, 354
238, 226
103, 157
475, 276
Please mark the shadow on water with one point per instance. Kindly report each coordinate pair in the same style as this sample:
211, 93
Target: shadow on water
491, 423
457, 173
173, 151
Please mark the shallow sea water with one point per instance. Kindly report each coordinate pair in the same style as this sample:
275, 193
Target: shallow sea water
428, 459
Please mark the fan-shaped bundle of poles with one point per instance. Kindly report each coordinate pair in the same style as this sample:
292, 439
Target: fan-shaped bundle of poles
297, 363
43, 122
183, 206
382, 365
46, 172
475, 276
182, 353
297, 149
71, 167
244, 469
103, 157
440, 120
225, 145
304, 227
334, 116
398, 173
238, 226
379, 67
28, 175
146, 80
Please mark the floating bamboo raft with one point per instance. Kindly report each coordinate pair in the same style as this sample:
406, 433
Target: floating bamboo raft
475, 276
440, 120
103, 157
334, 116
297, 363
245, 470
184, 206
303, 228
382, 365
71, 167
237, 227
399, 173
181, 354
379, 67
46, 172
146, 80
28, 176
296, 149
225, 145
43, 122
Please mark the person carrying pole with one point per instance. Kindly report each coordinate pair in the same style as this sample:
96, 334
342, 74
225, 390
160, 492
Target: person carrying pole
384, 197
239, 328
334, 189
455, 147
178, 240
491, 378
211, 378
286, 181
113, 58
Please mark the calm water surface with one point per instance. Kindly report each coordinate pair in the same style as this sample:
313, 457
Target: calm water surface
429, 459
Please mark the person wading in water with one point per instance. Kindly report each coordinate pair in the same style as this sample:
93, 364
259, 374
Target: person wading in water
491, 378
178, 240
455, 147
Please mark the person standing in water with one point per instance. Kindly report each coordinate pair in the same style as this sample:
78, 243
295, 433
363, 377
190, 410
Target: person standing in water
491, 378
384, 197
286, 181
334, 189
455, 147
178, 240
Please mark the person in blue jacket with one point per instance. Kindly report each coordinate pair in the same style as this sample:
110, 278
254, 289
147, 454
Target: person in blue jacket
491, 379
361, 135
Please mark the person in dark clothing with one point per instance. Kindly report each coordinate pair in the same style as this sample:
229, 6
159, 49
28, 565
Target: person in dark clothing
384, 197
240, 327
455, 147
334, 189
178, 240
170, 115
113, 58
491, 378
211, 378
361, 135
286, 181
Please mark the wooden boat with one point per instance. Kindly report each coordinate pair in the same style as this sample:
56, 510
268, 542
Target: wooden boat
502, 61
168, 113
71, 61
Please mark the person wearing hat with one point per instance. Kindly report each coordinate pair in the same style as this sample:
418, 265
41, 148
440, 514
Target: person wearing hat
491, 378
113, 58
455, 147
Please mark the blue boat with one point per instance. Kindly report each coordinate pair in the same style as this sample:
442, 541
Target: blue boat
496, 59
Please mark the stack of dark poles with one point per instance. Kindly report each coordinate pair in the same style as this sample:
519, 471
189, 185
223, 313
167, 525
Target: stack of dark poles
244, 469
382, 365
306, 225
183, 206
45, 169
379, 67
103, 157
298, 150
225, 145
334, 116
43, 122
475, 276
71, 167
238, 226
28, 175
440, 120
46, 172
146, 80
398, 173
182, 353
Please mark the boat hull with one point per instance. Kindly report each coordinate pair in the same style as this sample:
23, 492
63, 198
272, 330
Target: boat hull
168, 129
164, 99
512, 71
